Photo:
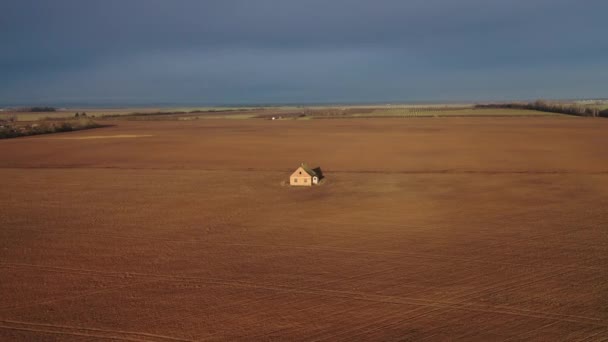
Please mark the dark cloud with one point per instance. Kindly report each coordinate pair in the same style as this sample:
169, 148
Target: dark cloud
299, 51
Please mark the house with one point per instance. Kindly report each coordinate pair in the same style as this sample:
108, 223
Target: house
304, 176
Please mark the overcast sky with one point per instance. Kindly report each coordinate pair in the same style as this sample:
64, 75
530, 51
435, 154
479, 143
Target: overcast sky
295, 51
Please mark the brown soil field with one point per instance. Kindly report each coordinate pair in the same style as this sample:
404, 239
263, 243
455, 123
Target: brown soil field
425, 229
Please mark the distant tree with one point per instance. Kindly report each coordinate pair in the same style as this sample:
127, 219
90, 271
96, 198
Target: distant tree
43, 109
64, 127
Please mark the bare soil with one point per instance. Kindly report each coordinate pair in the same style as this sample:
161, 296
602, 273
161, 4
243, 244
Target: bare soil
482, 229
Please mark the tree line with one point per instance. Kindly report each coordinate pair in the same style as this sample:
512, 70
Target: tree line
14, 130
553, 107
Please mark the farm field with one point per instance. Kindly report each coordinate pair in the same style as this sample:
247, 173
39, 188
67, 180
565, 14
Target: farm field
452, 228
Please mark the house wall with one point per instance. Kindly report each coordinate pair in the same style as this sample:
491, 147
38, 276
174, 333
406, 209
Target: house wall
300, 181
300, 178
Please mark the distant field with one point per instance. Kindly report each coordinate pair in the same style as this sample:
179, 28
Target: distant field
225, 116
102, 112
193, 113
440, 112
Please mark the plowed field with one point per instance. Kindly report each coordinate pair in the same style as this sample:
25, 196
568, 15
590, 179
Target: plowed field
483, 229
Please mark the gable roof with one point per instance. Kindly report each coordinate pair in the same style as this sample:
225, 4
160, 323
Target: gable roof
307, 169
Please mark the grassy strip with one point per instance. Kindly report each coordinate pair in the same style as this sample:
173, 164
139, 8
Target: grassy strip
168, 114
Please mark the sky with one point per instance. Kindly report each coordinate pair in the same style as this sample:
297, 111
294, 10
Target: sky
222, 52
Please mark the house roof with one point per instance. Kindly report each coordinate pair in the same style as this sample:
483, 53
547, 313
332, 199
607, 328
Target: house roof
308, 170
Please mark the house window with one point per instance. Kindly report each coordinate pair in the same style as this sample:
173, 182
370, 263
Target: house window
306, 181
295, 180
